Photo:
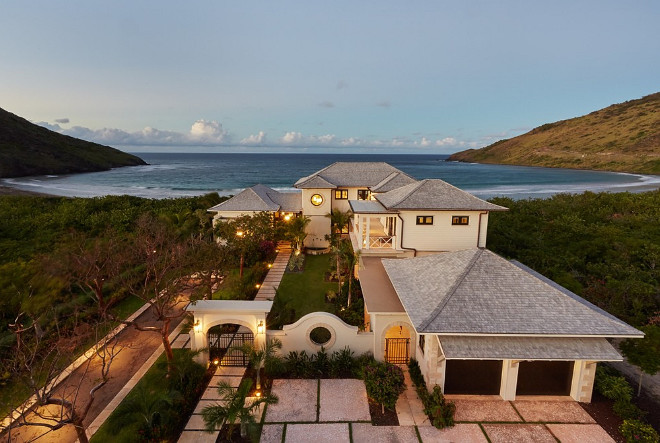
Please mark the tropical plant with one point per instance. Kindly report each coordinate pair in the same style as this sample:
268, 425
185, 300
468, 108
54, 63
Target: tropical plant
149, 409
351, 258
296, 232
262, 357
234, 406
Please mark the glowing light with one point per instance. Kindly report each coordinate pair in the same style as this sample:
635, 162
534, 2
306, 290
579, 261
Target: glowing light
257, 286
260, 327
216, 362
258, 394
198, 326
287, 217
239, 233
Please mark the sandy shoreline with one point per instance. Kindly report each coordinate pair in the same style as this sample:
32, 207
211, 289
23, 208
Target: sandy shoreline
8, 190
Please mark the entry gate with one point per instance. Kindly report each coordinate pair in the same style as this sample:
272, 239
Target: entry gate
396, 350
221, 347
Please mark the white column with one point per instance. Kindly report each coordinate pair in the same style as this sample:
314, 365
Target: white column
509, 381
368, 229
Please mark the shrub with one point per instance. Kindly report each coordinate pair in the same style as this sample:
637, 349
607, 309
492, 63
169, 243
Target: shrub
626, 410
439, 410
342, 363
638, 431
612, 386
415, 372
384, 383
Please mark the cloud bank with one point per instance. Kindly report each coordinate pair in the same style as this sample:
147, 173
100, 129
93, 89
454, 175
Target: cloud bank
210, 133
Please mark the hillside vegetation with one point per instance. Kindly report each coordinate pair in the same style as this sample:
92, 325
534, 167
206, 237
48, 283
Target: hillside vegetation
624, 137
29, 149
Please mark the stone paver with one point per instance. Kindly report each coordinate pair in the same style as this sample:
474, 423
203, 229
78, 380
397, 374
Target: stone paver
204, 403
344, 400
461, 432
519, 433
196, 423
236, 371
198, 437
272, 434
317, 433
409, 408
553, 411
297, 401
233, 380
366, 433
485, 411
589, 433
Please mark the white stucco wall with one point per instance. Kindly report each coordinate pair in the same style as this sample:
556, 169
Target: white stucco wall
442, 235
295, 337
381, 322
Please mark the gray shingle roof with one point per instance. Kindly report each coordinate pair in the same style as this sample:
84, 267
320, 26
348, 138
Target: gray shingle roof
393, 181
367, 207
353, 174
528, 348
261, 198
434, 194
476, 291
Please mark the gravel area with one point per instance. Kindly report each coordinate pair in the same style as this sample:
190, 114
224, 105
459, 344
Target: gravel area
317, 433
297, 401
344, 400
506, 433
553, 411
271, 434
365, 433
580, 434
462, 432
485, 410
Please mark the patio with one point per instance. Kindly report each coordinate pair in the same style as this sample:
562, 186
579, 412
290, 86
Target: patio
332, 410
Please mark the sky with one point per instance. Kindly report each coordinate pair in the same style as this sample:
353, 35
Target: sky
345, 76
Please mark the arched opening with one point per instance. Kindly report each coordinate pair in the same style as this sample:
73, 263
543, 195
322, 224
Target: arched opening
397, 345
224, 339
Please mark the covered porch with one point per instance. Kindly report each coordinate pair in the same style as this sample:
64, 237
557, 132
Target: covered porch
374, 229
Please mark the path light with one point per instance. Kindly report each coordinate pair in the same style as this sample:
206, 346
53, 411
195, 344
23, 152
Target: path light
239, 233
198, 326
270, 265
258, 394
216, 362
257, 286
260, 327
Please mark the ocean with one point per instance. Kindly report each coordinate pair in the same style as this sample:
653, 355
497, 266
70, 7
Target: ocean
184, 174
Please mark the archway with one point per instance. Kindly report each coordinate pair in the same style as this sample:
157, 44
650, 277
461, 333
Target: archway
224, 340
397, 345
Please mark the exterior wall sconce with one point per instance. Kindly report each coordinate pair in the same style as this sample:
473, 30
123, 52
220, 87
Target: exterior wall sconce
198, 326
260, 327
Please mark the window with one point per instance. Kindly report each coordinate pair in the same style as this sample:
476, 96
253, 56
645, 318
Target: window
460, 220
364, 194
317, 199
424, 219
341, 194
422, 342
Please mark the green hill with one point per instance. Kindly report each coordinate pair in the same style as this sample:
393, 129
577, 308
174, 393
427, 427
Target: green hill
624, 137
29, 149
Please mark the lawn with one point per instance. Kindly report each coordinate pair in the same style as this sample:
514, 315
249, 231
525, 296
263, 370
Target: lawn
305, 292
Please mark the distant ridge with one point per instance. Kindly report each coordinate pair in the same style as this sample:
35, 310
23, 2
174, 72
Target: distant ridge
29, 149
624, 137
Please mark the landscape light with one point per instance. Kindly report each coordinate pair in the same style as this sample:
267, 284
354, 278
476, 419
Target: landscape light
270, 265
287, 217
258, 394
216, 362
257, 286
239, 233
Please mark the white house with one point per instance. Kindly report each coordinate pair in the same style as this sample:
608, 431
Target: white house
477, 323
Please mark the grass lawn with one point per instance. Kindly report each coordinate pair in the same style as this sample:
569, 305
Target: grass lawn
305, 292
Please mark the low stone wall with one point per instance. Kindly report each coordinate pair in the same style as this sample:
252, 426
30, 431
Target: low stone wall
296, 336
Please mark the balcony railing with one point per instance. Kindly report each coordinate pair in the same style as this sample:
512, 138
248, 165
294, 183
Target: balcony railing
381, 242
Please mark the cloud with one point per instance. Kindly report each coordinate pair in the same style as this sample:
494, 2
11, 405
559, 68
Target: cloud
384, 104
341, 84
297, 139
327, 104
62, 120
202, 133
255, 139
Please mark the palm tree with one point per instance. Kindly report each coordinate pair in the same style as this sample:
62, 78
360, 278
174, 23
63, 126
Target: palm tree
297, 231
232, 408
338, 220
351, 258
265, 356
147, 407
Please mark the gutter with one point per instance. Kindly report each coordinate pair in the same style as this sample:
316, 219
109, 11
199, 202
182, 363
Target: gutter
403, 247
479, 228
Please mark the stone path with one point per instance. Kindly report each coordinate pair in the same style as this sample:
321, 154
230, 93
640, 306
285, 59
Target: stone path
337, 411
194, 431
272, 281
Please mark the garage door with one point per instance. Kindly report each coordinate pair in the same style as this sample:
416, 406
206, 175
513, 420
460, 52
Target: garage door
474, 377
544, 378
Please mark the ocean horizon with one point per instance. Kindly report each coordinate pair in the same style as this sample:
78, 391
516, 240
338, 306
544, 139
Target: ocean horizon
170, 175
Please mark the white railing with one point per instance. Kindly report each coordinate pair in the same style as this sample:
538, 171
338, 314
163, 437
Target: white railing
381, 242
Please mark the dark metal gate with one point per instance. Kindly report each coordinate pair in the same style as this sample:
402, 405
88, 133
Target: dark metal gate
222, 348
396, 350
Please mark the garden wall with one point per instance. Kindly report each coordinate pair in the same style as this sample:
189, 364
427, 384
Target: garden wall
296, 336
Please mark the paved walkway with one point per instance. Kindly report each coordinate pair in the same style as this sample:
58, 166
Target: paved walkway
272, 281
194, 431
337, 411
409, 408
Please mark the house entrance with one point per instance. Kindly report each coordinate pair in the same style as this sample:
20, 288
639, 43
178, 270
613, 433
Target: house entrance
473, 377
223, 341
397, 345
544, 378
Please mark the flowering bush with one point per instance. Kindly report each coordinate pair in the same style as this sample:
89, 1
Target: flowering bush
638, 431
384, 383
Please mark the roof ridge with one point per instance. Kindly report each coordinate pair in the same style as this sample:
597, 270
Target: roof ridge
415, 188
451, 291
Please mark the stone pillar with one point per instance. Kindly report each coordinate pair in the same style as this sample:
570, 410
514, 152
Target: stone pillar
509, 381
582, 385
